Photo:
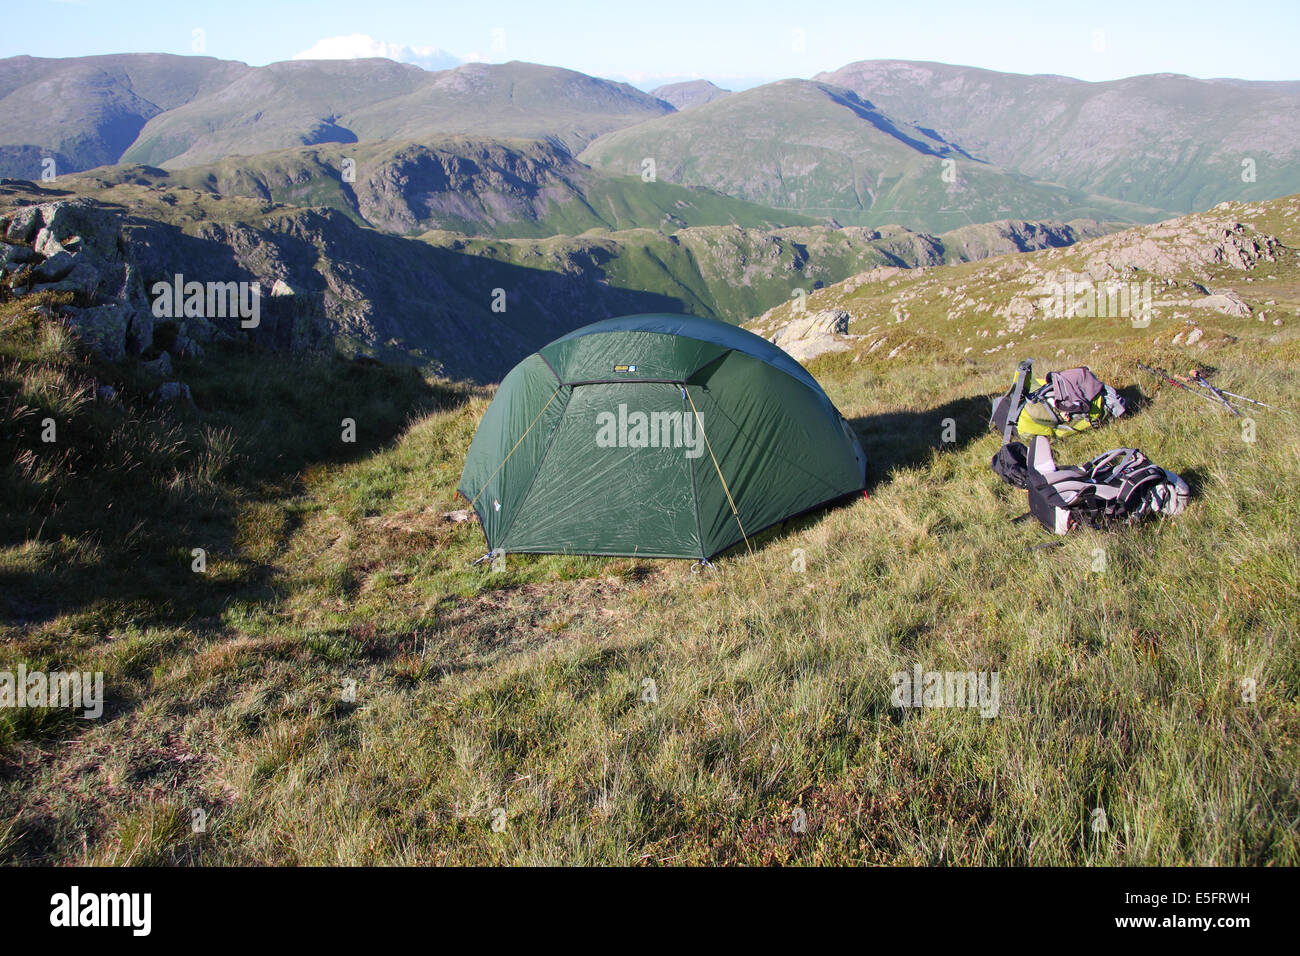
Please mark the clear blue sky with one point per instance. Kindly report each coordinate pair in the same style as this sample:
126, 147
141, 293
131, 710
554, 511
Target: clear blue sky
734, 42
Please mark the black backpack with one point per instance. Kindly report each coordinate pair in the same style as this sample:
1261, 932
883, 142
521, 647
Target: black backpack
1012, 464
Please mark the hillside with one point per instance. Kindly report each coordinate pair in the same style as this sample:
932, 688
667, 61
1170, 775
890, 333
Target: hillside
502, 188
731, 272
433, 300
87, 111
928, 145
1169, 141
1229, 265
685, 95
339, 685
822, 150
172, 111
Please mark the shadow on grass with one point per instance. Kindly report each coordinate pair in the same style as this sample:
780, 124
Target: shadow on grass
894, 440
112, 520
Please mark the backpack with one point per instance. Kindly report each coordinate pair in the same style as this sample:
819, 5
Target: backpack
1011, 463
1122, 485
1061, 404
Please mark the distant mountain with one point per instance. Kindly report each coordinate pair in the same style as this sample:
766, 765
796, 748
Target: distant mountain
313, 101
470, 185
928, 145
87, 111
184, 111
822, 150
689, 94
1164, 140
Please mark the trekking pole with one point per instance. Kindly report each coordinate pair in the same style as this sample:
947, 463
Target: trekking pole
1241, 398
1161, 373
1196, 377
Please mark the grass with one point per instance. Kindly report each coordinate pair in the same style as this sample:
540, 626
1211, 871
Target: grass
341, 686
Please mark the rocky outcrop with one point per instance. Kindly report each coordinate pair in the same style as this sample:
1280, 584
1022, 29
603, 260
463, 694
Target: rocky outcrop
473, 187
1191, 244
129, 279
266, 270
1227, 302
76, 246
805, 337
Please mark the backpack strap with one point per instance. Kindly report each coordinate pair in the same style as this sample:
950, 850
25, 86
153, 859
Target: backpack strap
1110, 464
1045, 396
1018, 393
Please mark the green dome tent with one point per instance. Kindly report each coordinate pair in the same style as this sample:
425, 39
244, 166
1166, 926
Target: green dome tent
668, 436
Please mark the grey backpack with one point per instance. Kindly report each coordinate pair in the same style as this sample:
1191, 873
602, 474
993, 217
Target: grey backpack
1122, 485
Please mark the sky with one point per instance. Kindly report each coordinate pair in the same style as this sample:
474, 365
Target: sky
735, 43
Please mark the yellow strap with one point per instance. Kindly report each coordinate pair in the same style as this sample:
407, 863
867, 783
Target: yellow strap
730, 501
516, 444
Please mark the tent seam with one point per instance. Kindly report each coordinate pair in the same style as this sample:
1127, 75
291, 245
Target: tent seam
695, 492
550, 440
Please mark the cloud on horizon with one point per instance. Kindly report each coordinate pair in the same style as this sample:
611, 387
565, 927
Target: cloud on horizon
356, 46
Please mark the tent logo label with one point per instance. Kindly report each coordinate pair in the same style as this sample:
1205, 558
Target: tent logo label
653, 430
624, 368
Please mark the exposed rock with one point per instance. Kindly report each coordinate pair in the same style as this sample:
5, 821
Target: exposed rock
54, 268
104, 328
23, 224
173, 392
1227, 302
1189, 336
1190, 244
161, 366
79, 248
106, 393
806, 336
17, 255
291, 320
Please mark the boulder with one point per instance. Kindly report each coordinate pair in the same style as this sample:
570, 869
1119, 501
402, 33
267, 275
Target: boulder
1227, 302
173, 392
55, 267
161, 366
78, 247
23, 224
806, 336
84, 276
17, 255
104, 328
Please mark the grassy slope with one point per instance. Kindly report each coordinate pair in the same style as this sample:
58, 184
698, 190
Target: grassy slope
521, 690
1101, 137
312, 176
727, 272
798, 145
